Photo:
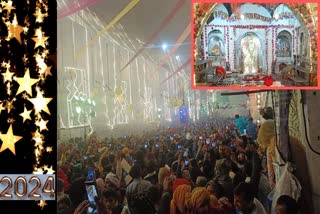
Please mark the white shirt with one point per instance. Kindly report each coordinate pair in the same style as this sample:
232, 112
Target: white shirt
258, 207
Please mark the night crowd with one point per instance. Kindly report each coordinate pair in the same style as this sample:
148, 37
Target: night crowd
219, 166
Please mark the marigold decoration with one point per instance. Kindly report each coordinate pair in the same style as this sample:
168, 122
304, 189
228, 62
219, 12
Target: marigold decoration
268, 81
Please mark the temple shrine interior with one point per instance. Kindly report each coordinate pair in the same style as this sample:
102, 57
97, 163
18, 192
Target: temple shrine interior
255, 44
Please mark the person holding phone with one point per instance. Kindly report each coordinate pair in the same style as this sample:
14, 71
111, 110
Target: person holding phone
92, 195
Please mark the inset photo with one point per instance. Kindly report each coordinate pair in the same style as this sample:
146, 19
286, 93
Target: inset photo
270, 45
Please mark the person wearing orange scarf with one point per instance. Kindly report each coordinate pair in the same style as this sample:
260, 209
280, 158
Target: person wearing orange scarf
200, 199
180, 196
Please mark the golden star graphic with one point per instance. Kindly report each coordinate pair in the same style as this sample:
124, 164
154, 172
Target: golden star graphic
25, 29
3, 3
37, 137
47, 71
39, 16
25, 96
40, 41
42, 204
42, 124
37, 171
49, 149
40, 103
9, 106
15, 31
26, 114
8, 6
7, 76
9, 140
50, 171
26, 83
11, 120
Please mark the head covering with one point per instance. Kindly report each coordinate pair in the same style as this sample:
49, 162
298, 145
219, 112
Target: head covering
180, 196
111, 177
198, 198
267, 112
179, 181
125, 150
201, 181
163, 172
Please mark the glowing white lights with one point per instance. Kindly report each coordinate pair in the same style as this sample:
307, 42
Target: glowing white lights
276, 16
164, 46
242, 16
78, 106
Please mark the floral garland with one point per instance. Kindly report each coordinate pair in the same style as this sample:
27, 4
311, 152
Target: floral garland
228, 48
234, 47
224, 16
273, 49
307, 18
252, 26
267, 44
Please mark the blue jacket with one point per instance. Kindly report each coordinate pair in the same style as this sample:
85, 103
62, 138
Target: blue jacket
241, 124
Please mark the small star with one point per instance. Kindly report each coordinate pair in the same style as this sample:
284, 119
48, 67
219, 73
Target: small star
47, 71
49, 149
42, 124
26, 114
8, 6
39, 15
25, 29
7, 76
37, 171
11, 120
39, 39
3, 3
37, 137
50, 170
9, 106
42, 204
25, 96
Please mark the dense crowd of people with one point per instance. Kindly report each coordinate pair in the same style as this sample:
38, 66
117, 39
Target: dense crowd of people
218, 166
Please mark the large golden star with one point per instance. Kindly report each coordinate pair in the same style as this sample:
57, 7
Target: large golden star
26, 114
9, 140
40, 103
26, 83
7, 76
